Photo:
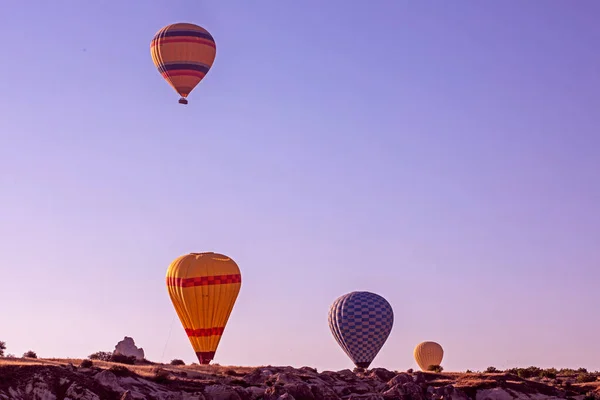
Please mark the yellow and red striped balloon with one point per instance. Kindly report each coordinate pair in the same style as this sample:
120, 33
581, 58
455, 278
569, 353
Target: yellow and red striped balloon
183, 54
203, 288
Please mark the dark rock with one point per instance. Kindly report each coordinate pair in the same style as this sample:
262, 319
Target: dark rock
399, 379
300, 391
323, 392
414, 391
382, 374
221, 392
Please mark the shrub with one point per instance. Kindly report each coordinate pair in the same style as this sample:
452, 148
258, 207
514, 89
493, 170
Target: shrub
525, 373
409, 371
585, 377
491, 370
177, 362
468, 371
2, 348
567, 372
549, 373
582, 370
435, 368
30, 354
86, 364
101, 356
121, 359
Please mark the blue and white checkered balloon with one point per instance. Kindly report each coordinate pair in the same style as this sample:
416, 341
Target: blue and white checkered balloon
361, 323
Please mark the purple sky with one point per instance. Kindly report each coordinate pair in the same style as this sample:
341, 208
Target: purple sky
445, 155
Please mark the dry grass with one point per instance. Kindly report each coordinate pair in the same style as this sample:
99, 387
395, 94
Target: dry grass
196, 371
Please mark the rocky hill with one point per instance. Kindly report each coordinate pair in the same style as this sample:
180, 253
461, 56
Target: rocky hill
53, 379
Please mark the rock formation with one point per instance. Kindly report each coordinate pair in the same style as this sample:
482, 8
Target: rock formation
22, 379
128, 348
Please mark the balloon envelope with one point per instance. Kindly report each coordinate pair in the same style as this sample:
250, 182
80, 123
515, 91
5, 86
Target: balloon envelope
203, 288
361, 323
183, 54
427, 354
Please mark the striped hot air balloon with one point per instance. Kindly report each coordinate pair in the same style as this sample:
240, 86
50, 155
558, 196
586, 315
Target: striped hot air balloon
183, 54
428, 354
203, 288
361, 323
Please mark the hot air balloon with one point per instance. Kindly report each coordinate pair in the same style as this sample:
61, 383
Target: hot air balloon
203, 288
361, 323
183, 54
427, 354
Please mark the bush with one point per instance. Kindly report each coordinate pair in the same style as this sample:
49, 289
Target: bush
435, 368
177, 362
525, 373
30, 354
86, 364
121, 359
491, 370
2, 348
468, 371
549, 373
567, 372
101, 356
585, 377
409, 371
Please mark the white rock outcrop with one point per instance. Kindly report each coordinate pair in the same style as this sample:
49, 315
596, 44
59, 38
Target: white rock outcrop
128, 348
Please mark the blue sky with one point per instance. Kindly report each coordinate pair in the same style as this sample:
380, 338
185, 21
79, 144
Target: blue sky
444, 155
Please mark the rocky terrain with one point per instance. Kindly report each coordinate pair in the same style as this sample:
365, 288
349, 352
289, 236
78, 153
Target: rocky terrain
53, 379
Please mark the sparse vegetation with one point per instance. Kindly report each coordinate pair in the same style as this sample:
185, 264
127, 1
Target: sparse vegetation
121, 359
435, 368
177, 362
86, 364
468, 371
491, 370
30, 354
2, 348
585, 377
549, 373
100, 356
567, 372
113, 357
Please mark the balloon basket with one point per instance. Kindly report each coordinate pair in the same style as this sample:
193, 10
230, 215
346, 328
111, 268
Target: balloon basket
183, 101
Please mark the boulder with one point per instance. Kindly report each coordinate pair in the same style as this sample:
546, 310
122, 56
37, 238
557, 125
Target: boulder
127, 347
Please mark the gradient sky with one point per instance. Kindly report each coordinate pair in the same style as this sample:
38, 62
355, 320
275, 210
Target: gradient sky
445, 155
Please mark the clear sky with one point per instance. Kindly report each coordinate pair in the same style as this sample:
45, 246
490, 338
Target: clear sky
445, 155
